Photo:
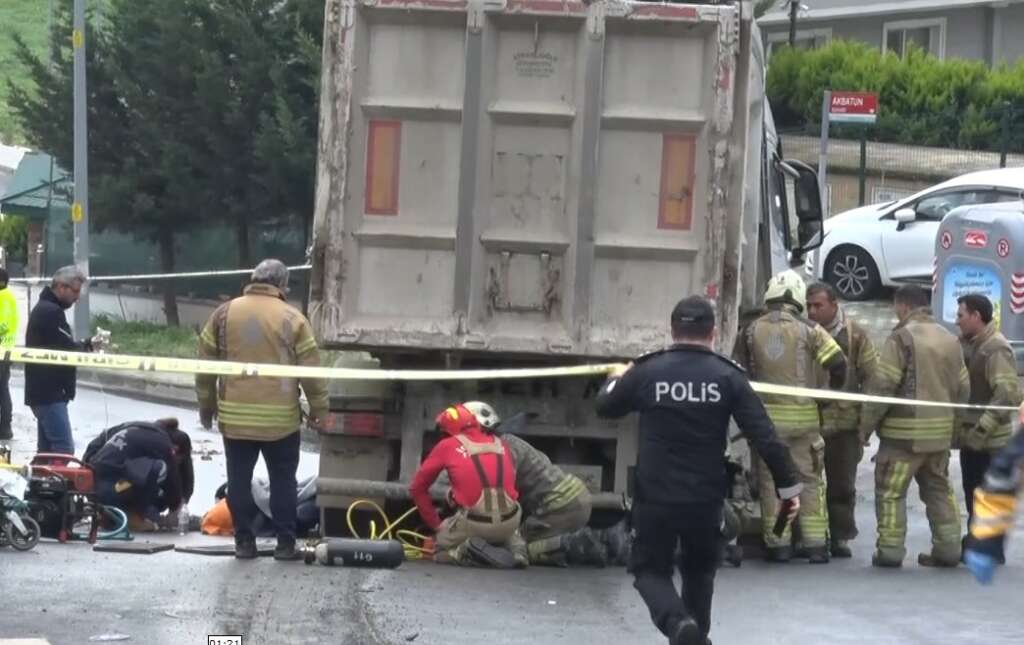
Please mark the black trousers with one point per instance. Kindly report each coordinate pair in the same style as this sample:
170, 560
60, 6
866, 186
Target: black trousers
282, 459
657, 530
6, 408
973, 465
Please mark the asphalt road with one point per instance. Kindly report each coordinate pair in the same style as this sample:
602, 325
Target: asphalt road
68, 594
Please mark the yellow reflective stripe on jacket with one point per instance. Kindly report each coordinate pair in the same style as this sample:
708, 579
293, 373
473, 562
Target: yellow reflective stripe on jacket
305, 346
783, 414
890, 372
828, 350
262, 415
916, 428
564, 492
993, 514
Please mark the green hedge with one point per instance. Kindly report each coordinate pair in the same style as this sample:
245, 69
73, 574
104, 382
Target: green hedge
922, 100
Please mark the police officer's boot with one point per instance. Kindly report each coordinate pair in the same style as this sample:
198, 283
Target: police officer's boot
686, 632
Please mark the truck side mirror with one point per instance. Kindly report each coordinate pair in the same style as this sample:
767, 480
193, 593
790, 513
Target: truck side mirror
806, 204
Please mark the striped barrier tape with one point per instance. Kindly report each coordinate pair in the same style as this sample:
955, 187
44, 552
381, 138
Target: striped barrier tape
159, 276
126, 362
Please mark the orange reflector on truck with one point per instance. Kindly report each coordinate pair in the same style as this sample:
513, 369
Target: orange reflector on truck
383, 145
675, 210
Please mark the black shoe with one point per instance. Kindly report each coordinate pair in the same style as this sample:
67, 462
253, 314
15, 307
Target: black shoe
778, 554
885, 563
817, 555
489, 555
285, 550
245, 548
686, 633
841, 549
929, 560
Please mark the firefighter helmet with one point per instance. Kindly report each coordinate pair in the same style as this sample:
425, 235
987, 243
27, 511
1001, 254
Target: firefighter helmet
484, 413
787, 286
455, 420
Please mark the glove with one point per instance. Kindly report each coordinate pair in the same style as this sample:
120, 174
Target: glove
981, 565
206, 418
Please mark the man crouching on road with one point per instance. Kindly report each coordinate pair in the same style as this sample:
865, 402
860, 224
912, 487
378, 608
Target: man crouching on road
556, 504
486, 521
686, 395
260, 414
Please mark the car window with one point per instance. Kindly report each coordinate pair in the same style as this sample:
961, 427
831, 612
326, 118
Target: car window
935, 207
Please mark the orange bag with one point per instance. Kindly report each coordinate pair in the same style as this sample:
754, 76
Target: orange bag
217, 520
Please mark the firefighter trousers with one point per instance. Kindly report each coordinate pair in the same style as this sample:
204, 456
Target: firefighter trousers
843, 452
895, 466
808, 456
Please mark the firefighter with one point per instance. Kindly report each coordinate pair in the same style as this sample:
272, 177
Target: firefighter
485, 525
840, 419
555, 504
993, 372
919, 361
686, 396
261, 414
784, 348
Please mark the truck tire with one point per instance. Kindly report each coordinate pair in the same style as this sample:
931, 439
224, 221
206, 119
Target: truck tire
853, 273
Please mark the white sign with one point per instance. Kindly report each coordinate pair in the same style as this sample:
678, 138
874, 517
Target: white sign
962, 279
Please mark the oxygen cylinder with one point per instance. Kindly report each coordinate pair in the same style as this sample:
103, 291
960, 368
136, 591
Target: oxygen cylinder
378, 554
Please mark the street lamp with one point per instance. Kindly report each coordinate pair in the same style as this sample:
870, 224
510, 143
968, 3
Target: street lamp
80, 205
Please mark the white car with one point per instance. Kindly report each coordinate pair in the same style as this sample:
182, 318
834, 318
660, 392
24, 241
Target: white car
885, 245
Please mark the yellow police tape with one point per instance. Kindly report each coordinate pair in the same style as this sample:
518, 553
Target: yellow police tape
126, 362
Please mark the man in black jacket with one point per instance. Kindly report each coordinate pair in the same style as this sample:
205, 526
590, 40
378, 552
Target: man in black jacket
48, 388
142, 468
686, 396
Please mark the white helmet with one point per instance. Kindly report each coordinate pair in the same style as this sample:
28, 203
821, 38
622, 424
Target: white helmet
484, 413
788, 286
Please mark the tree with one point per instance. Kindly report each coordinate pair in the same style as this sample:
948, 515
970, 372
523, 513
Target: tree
139, 106
200, 111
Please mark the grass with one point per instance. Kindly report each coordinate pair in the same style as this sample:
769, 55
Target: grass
148, 339
28, 19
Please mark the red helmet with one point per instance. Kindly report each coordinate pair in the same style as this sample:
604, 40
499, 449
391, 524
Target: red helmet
455, 420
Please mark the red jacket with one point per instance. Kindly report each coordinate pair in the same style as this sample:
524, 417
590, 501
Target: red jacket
449, 455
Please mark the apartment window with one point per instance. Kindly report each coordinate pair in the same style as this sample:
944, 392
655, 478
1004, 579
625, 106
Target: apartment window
929, 35
805, 38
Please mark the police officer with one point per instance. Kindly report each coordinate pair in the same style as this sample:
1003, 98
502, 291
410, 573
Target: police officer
685, 396
784, 348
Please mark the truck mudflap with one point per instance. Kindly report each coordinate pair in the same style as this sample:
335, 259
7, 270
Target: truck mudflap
398, 491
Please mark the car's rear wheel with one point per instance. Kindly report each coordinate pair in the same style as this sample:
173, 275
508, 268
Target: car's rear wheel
853, 273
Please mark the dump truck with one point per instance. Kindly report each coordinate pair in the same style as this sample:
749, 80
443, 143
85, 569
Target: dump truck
528, 183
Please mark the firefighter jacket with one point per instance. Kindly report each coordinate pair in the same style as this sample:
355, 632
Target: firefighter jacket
543, 487
919, 361
259, 327
783, 348
861, 359
992, 369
